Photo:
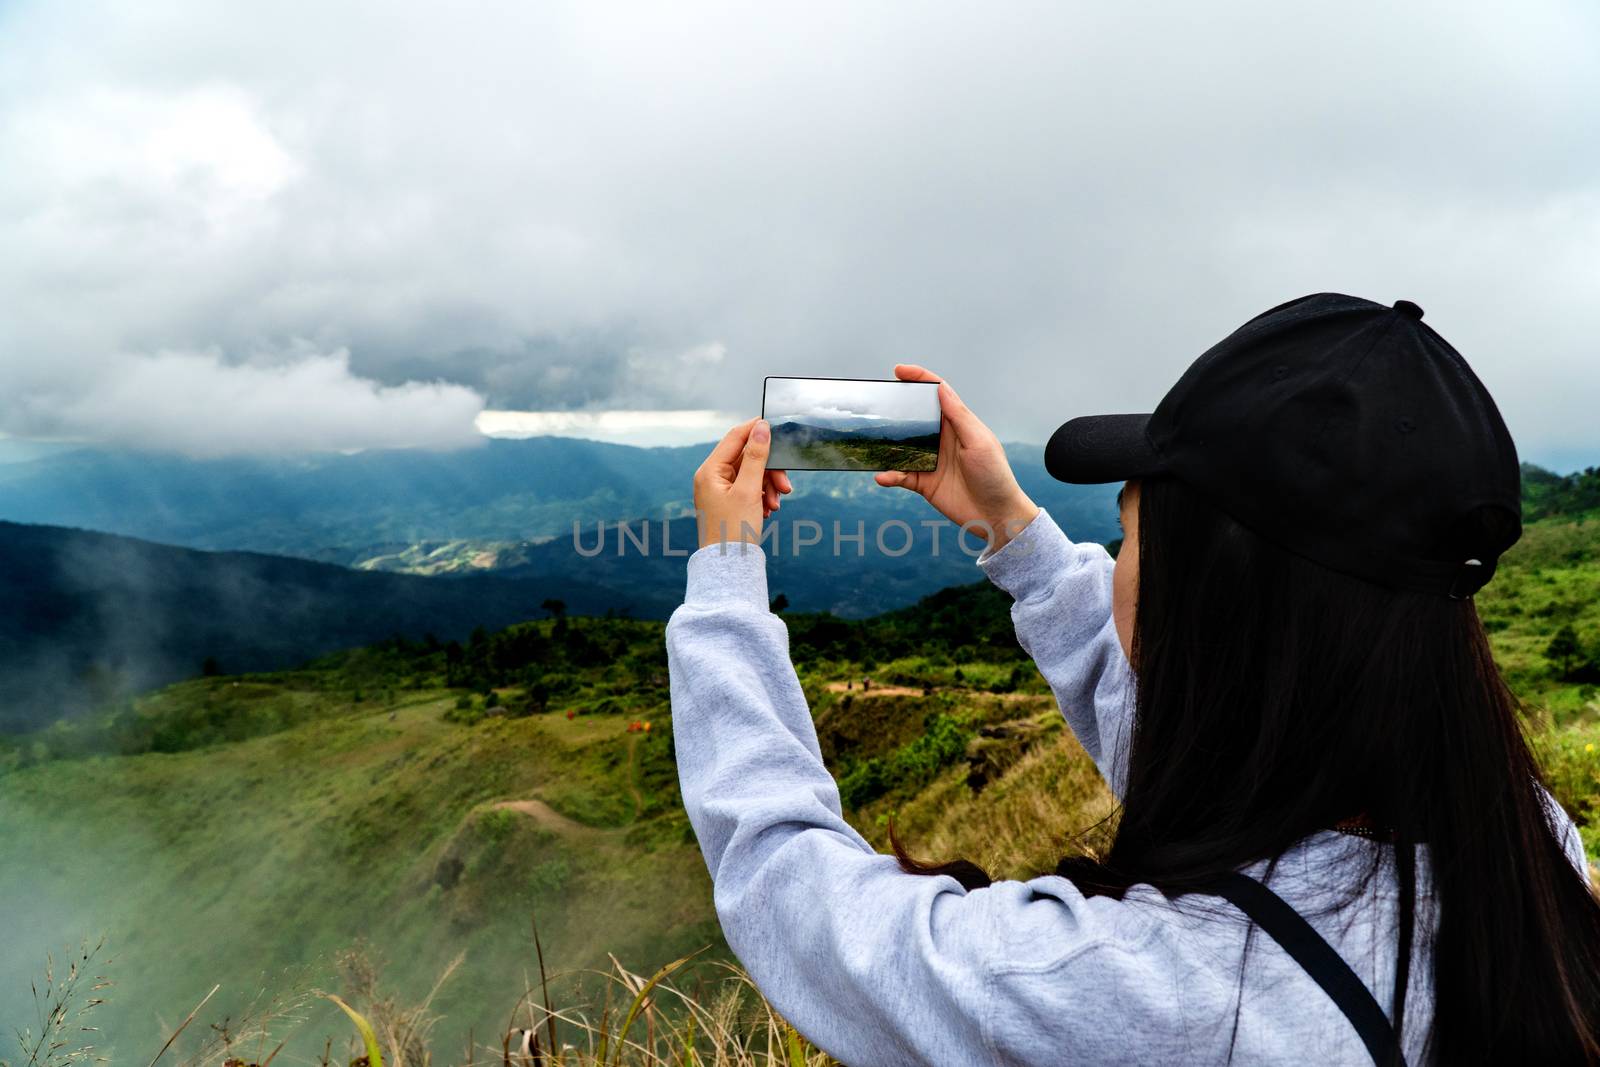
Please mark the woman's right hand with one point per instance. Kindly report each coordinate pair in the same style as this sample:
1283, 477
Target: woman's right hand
973, 485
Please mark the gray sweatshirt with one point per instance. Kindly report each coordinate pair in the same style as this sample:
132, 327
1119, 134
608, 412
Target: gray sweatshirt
876, 966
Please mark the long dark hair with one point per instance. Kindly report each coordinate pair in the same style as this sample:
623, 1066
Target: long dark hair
1276, 698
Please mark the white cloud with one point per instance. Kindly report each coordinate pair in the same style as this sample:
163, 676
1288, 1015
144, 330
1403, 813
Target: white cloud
192, 402
623, 427
201, 144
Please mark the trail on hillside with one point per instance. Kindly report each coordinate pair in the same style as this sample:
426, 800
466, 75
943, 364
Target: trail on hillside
633, 776
910, 691
546, 816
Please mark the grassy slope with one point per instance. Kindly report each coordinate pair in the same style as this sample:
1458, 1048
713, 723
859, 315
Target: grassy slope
230, 863
1552, 577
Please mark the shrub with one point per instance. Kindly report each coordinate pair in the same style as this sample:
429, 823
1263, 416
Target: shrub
466, 716
942, 743
496, 824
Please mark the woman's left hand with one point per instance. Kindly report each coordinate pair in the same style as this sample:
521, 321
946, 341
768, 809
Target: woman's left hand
733, 490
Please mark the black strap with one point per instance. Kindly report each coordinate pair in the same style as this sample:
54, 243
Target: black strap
1325, 966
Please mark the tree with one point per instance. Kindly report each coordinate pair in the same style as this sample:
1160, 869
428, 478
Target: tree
453, 657
556, 608
1563, 650
779, 602
210, 668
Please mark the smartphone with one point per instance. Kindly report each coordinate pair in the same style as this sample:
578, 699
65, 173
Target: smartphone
851, 424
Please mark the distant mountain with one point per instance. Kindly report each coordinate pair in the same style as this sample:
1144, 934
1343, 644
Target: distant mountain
891, 428
88, 616
394, 510
802, 432
504, 490
816, 565
881, 571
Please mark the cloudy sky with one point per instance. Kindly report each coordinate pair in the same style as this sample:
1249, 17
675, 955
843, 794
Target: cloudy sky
299, 226
808, 398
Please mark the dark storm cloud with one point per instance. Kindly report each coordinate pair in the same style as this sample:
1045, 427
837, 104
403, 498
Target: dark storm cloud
418, 211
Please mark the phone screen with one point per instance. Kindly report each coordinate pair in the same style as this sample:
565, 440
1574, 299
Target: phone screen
852, 424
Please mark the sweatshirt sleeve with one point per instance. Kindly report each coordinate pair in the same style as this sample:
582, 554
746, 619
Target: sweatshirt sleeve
873, 965
1062, 613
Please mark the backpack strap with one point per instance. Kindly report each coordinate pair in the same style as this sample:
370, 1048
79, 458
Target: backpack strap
1325, 966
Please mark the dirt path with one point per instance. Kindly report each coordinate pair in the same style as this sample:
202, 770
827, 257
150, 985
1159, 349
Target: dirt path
546, 816
876, 690
908, 691
633, 776
551, 819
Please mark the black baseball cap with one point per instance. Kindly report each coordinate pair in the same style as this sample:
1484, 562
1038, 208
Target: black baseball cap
1345, 431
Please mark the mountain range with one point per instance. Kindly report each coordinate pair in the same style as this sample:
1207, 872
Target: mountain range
822, 429
352, 508
97, 615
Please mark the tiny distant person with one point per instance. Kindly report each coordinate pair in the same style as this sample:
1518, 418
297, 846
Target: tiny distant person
1333, 844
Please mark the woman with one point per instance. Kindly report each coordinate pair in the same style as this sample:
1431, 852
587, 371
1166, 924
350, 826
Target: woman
1333, 845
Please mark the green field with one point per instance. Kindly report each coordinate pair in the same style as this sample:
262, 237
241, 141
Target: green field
429, 800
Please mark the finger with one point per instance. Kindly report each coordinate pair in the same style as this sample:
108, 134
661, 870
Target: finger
774, 488
726, 453
781, 480
966, 425
753, 460
769, 497
910, 372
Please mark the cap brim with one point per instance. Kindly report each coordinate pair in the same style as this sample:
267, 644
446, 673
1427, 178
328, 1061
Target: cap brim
1102, 448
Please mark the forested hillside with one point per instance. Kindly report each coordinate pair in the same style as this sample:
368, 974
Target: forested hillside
90, 618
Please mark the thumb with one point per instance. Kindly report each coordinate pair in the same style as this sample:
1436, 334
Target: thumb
753, 462
904, 480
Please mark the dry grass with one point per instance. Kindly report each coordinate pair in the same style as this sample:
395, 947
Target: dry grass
63, 1007
654, 1021
1050, 803
632, 1020
66, 998
404, 1029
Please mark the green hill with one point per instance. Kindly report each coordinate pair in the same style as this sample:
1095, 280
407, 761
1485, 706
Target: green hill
1546, 494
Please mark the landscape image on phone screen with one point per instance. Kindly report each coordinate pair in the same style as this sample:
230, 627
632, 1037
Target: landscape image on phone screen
852, 424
